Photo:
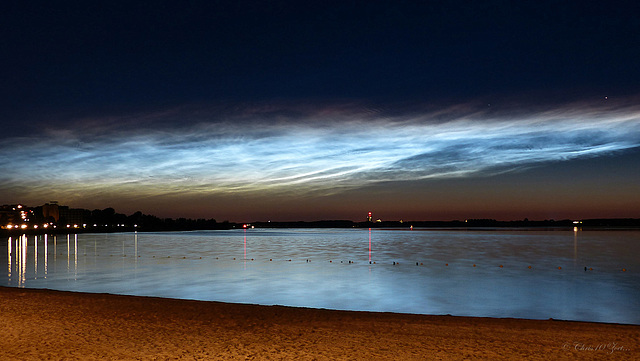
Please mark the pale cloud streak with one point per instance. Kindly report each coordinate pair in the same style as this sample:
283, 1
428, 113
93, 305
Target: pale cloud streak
301, 152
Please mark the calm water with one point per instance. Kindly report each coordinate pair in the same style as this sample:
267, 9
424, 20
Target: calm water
351, 269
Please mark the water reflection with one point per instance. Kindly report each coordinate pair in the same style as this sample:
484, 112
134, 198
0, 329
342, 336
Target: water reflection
135, 245
205, 265
75, 253
68, 252
46, 255
575, 246
35, 256
369, 245
19, 267
9, 248
23, 259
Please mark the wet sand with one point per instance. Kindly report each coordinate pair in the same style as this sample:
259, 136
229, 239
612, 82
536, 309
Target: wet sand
45, 324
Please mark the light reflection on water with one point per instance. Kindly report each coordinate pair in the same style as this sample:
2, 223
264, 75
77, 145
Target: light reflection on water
493, 273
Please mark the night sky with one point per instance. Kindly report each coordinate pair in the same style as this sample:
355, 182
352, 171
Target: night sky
247, 111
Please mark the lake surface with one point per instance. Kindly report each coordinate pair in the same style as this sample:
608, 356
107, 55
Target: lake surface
535, 274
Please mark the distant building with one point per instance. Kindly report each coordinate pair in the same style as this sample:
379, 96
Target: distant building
51, 210
72, 216
369, 219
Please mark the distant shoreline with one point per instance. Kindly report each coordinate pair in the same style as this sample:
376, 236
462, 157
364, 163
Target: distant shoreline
473, 224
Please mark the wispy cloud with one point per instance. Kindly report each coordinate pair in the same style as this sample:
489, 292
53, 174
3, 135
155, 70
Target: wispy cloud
303, 150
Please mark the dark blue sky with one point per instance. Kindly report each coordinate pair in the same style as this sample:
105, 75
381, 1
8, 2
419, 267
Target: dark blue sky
190, 91
129, 54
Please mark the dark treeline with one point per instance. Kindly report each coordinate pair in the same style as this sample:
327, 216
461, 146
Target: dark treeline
108, 218
147, 222
68, 220
471, 223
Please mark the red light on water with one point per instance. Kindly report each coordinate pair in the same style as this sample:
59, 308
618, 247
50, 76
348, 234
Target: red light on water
369, 244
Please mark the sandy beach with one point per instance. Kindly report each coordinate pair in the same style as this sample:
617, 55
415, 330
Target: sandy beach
54, 325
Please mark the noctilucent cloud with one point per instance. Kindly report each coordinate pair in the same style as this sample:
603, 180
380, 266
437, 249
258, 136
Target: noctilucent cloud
318, 152
247, 111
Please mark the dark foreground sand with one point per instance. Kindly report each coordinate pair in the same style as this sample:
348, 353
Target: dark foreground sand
43, 324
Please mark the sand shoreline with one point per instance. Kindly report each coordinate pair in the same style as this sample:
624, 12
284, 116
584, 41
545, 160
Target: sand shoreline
40, 324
